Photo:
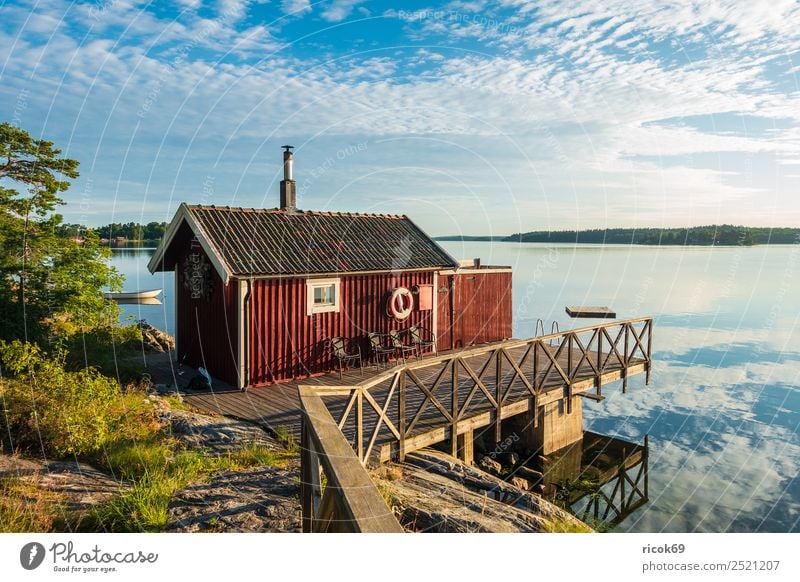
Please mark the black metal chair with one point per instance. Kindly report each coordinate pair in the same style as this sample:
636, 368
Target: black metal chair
401, 349
419, 342
379, 349
339, 351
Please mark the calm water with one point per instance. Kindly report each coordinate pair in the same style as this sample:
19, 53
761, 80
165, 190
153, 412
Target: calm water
723, 406
133, 264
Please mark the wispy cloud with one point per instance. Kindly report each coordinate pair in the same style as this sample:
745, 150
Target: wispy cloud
575, 103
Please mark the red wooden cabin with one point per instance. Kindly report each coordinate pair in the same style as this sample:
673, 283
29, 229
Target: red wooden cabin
258, 291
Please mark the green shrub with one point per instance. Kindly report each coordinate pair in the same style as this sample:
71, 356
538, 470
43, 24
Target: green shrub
48, 410
25, 507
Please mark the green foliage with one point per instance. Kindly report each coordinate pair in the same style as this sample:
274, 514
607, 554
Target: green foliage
285, 436
565, 526
26, 507
55, 412
50, 285
131, 231
725, 235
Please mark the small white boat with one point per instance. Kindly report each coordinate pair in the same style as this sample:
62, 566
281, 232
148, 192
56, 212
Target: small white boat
133, 295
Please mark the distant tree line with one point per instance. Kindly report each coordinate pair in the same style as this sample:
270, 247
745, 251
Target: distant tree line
723, 235
152, 231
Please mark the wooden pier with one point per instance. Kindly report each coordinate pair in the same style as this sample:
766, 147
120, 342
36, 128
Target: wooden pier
545, 369
387, 414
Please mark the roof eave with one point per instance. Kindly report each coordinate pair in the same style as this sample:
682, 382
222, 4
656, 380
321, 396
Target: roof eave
184, 214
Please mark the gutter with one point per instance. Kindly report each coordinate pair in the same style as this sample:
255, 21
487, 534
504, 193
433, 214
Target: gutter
246, 334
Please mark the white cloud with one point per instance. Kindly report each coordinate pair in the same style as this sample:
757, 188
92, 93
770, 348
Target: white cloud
338, 10
296, 7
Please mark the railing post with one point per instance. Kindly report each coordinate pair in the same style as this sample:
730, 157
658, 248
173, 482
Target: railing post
498, 380
625, 362
600, 361
360, 425
569, 356
309, 477
649, 326
536, 387
401, 421
454, 408
569, 373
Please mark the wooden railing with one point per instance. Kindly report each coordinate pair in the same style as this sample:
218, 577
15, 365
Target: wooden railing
423, 402
350, 501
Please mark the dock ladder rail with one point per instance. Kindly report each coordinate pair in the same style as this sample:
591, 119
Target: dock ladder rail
539, 329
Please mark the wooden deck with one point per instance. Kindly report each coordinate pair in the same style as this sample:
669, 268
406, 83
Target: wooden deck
504, 376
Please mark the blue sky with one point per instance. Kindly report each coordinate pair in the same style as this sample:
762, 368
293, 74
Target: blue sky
471, 117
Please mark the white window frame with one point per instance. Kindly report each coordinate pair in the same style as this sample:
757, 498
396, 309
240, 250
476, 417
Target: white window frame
312, 284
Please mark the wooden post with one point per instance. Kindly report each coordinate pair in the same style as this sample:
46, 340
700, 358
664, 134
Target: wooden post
498, 380
600, 362
309, 478
360, 425
401, 421
569, 356
625, 362
466, 447
649, 325
454, 410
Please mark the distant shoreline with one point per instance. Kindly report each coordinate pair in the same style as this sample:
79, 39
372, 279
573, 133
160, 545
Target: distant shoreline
714, 235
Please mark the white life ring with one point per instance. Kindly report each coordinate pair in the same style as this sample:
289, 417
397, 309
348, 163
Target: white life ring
401, 303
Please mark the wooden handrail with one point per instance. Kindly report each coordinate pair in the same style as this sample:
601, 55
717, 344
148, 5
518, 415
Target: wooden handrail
479, 350
350, 502
539, 371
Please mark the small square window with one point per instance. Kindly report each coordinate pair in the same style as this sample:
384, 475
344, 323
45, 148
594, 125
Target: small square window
322, 296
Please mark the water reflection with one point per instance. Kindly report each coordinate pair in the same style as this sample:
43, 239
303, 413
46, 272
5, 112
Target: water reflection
601, 479
132, 263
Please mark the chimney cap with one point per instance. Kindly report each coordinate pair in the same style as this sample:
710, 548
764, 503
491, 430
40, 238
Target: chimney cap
288, 148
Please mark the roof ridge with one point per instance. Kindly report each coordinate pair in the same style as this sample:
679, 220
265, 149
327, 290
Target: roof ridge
295, 213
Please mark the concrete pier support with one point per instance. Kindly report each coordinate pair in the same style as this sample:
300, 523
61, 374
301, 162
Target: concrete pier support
554, 429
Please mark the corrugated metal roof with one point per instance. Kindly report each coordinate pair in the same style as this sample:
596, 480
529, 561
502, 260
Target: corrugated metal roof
260, 242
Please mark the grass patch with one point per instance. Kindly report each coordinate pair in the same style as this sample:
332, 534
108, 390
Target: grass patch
158, 469
565, 526
176, 402
285, 436
27, 508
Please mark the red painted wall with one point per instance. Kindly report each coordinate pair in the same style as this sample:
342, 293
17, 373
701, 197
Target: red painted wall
285, 343
476, 310
206, 327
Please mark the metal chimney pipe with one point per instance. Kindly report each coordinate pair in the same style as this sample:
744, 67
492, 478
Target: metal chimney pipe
288, 162
288, 194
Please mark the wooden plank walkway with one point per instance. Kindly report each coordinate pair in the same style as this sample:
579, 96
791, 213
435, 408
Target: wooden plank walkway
279, 405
